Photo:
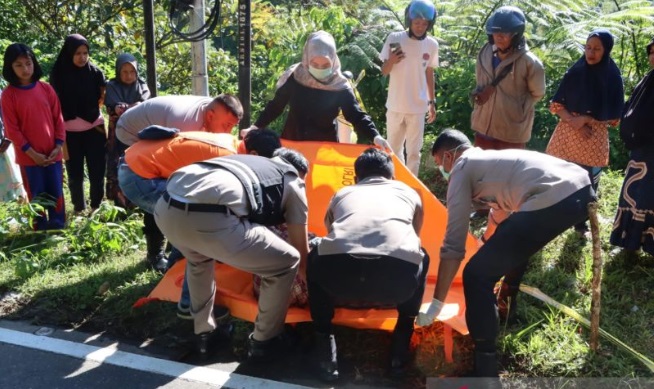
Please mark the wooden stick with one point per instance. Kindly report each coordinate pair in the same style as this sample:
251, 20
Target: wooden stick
596, 290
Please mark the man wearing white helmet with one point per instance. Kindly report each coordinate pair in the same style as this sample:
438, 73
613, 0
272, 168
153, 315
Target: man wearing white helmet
510, 80
409, 58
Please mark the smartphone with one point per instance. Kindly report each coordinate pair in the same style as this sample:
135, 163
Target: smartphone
395, 47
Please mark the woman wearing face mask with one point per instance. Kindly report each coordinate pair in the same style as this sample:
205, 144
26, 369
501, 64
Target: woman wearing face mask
315, 90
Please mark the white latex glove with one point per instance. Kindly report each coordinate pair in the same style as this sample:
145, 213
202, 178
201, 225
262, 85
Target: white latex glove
427, 316
245, 131
383, 143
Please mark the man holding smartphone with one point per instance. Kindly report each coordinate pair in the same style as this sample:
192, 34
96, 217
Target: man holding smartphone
409, 58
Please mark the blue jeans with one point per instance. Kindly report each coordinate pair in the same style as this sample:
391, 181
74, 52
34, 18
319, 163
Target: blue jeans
185, 298
144, 192
47, 180
174, 256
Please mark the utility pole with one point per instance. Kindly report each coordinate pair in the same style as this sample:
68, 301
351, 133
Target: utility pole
200, 80
150, 58
244, 64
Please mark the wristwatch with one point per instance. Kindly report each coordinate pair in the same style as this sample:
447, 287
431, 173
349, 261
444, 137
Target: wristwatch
432, 102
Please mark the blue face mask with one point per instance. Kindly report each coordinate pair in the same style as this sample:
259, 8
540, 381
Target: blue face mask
320, 74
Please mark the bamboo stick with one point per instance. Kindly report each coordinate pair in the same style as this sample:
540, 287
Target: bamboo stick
596, 291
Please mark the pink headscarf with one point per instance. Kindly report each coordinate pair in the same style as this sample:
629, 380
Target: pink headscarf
319, 44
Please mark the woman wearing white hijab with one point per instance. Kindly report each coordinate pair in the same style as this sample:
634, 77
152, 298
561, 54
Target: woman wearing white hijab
315, 90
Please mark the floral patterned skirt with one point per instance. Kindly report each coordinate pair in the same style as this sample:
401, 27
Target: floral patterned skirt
573, 146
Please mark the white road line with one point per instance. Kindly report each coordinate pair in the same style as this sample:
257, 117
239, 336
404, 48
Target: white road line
110, 355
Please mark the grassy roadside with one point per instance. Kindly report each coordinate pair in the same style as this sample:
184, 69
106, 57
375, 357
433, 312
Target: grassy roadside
89, 275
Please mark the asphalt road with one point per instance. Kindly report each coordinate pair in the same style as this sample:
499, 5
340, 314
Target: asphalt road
42, 357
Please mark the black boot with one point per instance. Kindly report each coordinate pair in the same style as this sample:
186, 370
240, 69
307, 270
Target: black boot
156, 254
326, 357
208, 342
507, 304
401, 345
485, 364
272, 349
486, 369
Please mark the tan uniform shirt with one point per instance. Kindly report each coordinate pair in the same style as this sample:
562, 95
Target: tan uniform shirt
507, 181
376, 216
203, 184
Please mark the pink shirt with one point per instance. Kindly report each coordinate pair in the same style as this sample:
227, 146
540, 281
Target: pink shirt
32, 118
79, 124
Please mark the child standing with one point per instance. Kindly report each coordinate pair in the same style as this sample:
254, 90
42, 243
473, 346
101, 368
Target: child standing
33, 122
80, 86
123, 92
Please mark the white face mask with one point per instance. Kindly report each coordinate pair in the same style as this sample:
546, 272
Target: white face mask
320, 74
446, 174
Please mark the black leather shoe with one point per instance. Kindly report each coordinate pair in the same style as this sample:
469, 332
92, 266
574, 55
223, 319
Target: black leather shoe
267, 350
208, 342
159, 263
485, 364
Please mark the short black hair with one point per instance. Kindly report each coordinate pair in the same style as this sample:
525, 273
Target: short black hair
450, 139
231, 102
263, 141
12, 53
374, 162
294, 158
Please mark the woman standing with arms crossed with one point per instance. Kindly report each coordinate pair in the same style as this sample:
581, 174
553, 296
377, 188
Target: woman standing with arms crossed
80, 86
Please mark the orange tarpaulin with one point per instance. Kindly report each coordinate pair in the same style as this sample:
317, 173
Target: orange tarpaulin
331, 169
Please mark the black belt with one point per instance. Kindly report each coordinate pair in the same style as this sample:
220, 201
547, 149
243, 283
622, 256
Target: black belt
194, 207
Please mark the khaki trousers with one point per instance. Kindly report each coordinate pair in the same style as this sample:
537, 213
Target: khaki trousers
205, 236
406, 128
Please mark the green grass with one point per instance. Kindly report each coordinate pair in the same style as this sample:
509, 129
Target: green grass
89, 275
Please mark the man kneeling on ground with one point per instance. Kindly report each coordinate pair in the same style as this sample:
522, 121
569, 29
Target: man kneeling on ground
371, 257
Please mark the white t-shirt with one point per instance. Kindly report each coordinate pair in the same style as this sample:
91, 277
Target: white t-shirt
407, 89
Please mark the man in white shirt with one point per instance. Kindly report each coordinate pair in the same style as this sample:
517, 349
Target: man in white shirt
409, 58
